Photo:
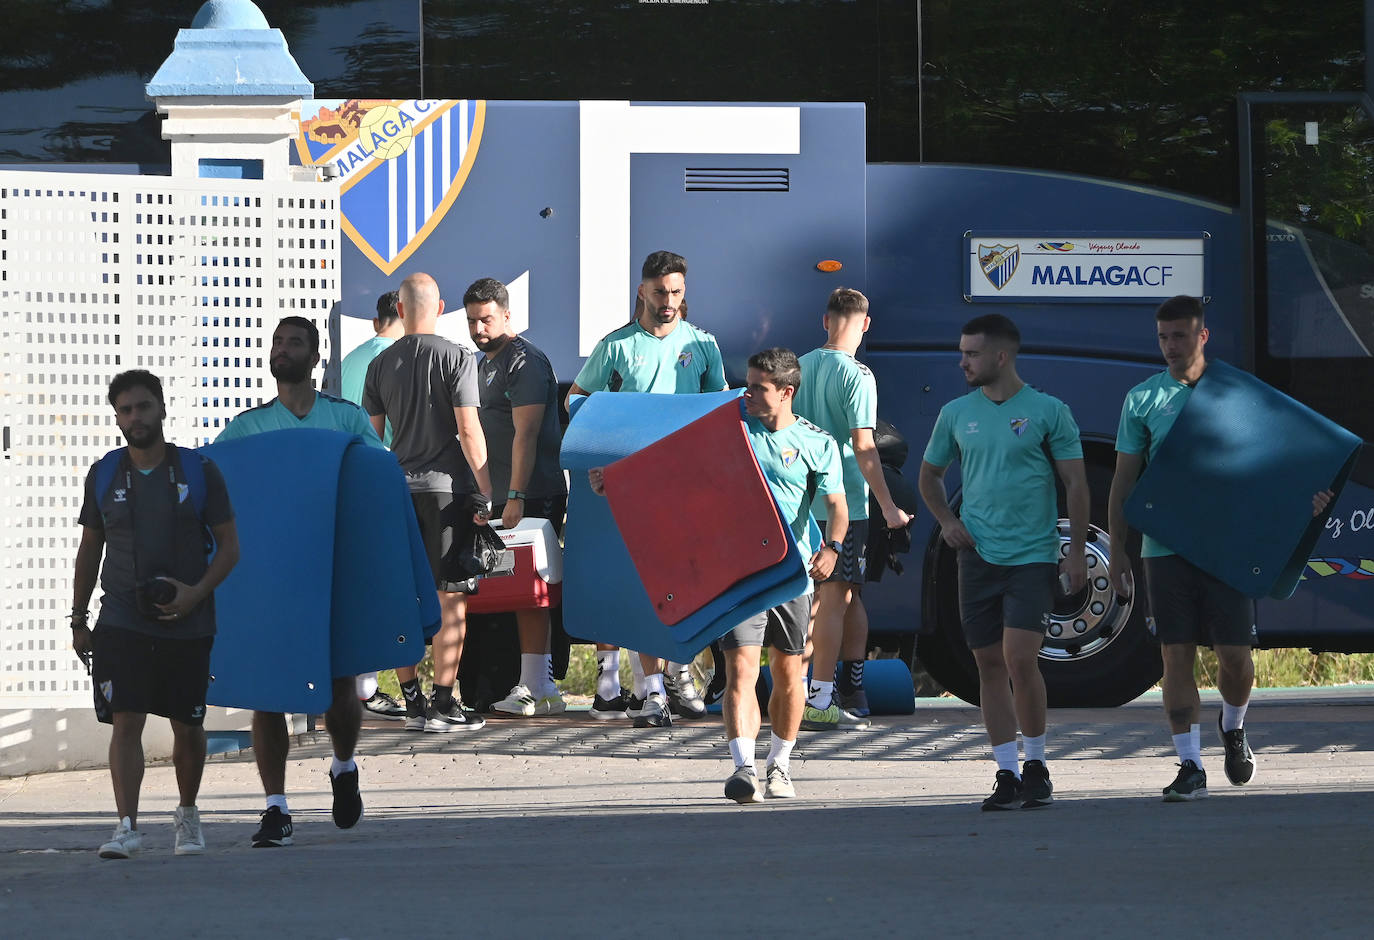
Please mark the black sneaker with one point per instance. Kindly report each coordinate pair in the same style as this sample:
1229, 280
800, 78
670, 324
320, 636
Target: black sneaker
384, 706
348, 802
453, 718
1036, 789
655, 713
633, 705
1240, 760
1190, 784
415, 712
274, 830
1006, 792
607, 709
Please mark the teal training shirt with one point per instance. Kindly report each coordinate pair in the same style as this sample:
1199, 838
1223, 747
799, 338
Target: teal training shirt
1147, 414
631, 359
838, 394
328, 412
1009, 504
353, 373
794, 459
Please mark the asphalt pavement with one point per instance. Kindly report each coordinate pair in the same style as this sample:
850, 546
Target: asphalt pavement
567, 827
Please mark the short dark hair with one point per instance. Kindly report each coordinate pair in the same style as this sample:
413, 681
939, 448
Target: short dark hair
312, 332
994, 326
1181, 307
661, 264
135, 378
386, 307
781, 363
487, 290
846, 301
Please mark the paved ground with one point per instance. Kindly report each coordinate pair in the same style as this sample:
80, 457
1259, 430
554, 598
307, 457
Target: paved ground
570, 828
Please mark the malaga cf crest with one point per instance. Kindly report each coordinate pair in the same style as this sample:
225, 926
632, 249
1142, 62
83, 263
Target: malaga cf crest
401, 165
999, 262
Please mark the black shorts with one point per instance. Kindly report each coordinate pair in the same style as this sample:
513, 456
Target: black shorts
852, 564
439, 521
552, 508
1188, 605
991, 597
782, 627
151, 675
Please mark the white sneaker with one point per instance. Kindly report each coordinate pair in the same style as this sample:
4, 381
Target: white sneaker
519, 701
550, 703
779, 786
124, 843
190, 839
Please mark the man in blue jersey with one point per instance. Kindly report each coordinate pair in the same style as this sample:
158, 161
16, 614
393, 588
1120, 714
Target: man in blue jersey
657, 351
295, 353
839, 395
800, 462
386, 326
1010, 439
1188, 605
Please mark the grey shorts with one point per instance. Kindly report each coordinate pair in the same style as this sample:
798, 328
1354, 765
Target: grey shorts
852, 565
782, 627
1188, 605
991, 597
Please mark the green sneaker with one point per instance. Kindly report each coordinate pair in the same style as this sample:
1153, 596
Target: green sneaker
833, 718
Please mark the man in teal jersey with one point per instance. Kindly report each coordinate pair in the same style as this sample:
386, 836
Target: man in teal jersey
839, 395
657, 351
800, 462
1187, 605
295, 353
1010, 440
352, 374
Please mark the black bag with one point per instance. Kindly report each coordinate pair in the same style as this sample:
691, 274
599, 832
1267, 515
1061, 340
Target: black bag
478, 551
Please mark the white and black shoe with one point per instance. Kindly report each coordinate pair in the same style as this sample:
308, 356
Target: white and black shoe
454, 718
654, 713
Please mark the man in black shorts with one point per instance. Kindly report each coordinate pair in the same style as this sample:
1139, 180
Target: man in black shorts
519, 415
147, 509
426, 386
1188, 605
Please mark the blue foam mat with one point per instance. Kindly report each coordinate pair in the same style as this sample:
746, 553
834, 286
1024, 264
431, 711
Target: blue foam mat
1230, 488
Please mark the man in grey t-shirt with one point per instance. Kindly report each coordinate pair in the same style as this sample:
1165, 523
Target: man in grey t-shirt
426, 387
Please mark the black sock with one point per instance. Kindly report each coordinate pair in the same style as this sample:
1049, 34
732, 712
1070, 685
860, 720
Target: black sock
442, 697
410, 690
850, 675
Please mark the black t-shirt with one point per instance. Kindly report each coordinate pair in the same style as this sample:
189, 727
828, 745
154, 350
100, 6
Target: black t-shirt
150, 522
520, 375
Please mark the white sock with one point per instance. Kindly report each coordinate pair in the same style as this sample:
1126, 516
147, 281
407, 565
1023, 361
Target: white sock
1195, 742
366, 684
279, 801
340, 767
819, 693
1232, 716
533, 671
608, 673
742, 750
1005, 755
1188, 748
654, 684
779, 751
1035, 747
637, 673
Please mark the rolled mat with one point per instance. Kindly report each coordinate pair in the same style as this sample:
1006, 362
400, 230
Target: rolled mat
1230, 487
332, 578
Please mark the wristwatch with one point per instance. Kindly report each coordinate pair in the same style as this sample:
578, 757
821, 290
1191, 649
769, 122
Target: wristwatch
514, 494
836, 547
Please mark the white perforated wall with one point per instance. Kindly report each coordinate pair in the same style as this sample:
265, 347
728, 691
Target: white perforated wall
100, 273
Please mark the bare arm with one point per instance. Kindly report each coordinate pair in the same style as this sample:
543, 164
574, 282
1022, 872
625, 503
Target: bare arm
1076, 495
866, 453
1123, 483
574, 390
87, 571
378, 424
930, 483
474, 445
527, 420
837, 523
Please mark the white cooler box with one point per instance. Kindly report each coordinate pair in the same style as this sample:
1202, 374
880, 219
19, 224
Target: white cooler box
530, 573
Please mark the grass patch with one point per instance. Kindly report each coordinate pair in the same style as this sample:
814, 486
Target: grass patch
1294, 668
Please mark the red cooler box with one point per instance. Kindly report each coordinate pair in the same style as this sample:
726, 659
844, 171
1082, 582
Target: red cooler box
530, 573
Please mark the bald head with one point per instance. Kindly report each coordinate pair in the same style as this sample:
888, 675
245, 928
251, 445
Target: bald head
419, 303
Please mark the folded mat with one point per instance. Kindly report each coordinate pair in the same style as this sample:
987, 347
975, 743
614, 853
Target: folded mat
1230, 488
332, 578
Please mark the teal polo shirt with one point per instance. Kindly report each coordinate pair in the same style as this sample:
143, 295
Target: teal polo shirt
631, 359
795, 459
839, 395
328, 412
1147, 415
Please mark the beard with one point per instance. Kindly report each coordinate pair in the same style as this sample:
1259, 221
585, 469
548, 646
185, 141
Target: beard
290, 371
977, 381
143, 437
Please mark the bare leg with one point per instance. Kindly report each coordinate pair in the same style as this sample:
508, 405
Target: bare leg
126, 762
994, 693
533, 627
344, 718
448, 642
1235, 673
1181, 700
188, 757
271, 744
827, 630
740, 706
788, 701
1021, 653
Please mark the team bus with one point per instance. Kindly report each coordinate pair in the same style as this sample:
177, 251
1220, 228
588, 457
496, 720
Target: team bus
1068, 171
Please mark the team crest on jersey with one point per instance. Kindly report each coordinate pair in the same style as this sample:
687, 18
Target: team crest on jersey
1019, 425
999, 263
183, 491
491, 374
684, 358
107, 690
789, 456
400, 163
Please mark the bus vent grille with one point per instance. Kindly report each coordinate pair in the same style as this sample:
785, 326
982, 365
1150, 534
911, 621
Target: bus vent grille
734, 179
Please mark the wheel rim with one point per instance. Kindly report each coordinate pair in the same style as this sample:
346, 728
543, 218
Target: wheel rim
1084, 624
